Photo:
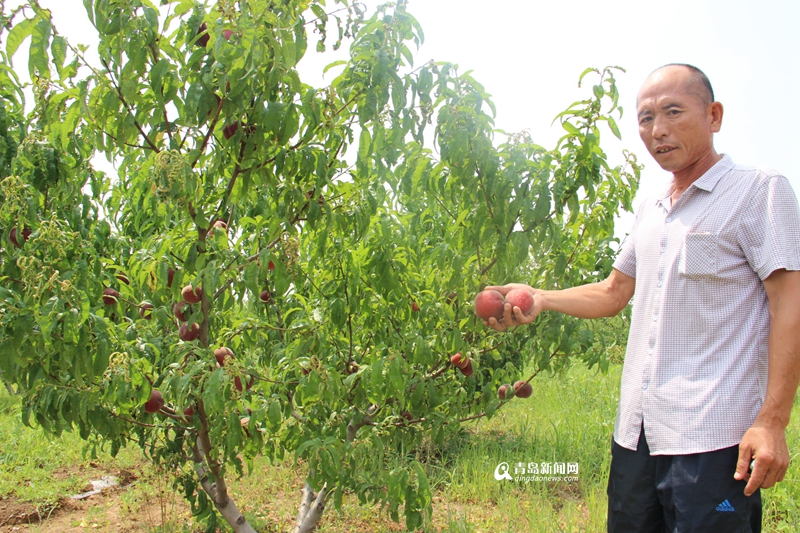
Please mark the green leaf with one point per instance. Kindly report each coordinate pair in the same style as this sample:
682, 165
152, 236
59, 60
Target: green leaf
570, 127
334, 64
21, 31
614, 129
59, 50
289, 125
39, 60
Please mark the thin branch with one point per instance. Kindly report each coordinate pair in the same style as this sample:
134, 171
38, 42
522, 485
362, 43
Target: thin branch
127, 107
210, 131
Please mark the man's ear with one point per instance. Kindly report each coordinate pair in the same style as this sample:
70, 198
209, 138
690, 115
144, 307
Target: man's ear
715, 112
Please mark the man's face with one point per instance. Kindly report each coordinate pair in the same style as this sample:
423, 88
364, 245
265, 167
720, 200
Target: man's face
676, 124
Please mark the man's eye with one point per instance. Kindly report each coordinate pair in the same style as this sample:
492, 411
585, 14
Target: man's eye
645, 119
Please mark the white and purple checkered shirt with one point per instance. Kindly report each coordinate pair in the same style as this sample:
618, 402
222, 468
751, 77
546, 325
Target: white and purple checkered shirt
695, 371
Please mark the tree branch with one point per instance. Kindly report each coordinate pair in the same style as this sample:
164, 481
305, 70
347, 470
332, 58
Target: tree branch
127, 107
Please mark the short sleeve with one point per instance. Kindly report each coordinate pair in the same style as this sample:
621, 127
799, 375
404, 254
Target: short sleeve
626, 258
769, 231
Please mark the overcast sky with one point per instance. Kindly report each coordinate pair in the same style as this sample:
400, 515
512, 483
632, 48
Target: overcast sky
529, 54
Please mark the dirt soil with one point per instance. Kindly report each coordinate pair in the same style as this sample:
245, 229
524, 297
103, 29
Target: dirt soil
108, 511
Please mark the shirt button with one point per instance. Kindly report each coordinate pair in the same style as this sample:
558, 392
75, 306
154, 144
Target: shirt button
650, 351
644, 385
669, 219
655, 318
659, 283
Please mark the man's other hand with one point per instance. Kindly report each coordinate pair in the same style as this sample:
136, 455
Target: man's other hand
766, 446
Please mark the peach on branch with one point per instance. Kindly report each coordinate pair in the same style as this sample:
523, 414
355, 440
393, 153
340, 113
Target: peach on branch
155, 403
467, 370
146, 310
110, 296
230, 130
203, 37
221, 354
26, 233
505, 391
219, 224
460, 361
237, 382
180, 309
523, 389
189, 333
192, 294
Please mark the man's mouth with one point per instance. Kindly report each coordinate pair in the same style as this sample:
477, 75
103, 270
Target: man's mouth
664, 149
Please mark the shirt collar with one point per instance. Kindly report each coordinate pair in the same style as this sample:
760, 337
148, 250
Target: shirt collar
706, 182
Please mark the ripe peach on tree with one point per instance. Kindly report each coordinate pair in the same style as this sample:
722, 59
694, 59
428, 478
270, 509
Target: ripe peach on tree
340, 349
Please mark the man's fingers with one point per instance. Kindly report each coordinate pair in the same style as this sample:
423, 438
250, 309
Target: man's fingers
495, 324
508, 314
502, 289
743, 464
756, 480
521, 317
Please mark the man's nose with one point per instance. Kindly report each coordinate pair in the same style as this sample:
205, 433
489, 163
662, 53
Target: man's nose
660, 127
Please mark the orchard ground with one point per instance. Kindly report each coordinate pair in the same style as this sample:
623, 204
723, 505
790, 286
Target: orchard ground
569, 419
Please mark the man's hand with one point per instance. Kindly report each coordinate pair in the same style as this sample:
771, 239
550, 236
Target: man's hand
765, 441
594, 300
767, 445
513, 316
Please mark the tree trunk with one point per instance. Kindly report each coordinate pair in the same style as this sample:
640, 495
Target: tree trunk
8, 386
218, 493
311, 508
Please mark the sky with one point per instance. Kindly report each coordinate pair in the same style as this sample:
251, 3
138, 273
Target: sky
528, 54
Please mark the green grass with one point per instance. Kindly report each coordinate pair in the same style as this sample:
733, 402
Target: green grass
41, 469
569, 418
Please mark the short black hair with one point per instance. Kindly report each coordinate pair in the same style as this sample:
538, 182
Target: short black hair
698, 77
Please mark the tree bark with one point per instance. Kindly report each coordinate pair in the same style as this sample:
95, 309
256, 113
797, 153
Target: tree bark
311, 509
218, 493
9, 388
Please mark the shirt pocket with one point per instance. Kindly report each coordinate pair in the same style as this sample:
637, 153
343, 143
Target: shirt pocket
700, 256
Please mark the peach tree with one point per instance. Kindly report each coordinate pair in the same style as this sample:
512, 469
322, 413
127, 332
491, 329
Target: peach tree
276, 269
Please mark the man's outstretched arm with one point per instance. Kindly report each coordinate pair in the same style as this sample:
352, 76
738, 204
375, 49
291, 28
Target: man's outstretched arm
594, 300
765, 441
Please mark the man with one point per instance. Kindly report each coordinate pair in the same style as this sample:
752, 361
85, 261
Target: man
713, 359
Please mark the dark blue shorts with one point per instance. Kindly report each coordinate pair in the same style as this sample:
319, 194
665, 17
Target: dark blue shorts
693, 493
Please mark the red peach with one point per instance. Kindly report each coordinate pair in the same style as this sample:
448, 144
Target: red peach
521, 298
460, 361
189, 334
489, 304
523, 389
155, 403
110, 296
146, 310
221, 354
192, 294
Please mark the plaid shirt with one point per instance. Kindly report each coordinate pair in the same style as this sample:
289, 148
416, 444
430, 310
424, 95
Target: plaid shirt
695, 371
